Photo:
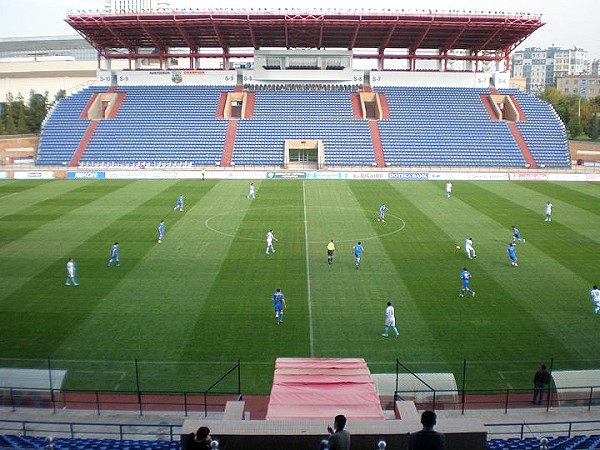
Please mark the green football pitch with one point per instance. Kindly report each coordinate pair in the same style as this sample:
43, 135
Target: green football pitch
186, 310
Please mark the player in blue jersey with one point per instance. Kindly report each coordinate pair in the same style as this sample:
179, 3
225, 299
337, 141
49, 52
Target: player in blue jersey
179, 205
278, 305
465, 276
517, 235
114, 255
382, 210
512, 254
358, 249
161, 231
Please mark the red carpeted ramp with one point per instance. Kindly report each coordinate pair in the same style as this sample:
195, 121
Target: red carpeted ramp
321, 388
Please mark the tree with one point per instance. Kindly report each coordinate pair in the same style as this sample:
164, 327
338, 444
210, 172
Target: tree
38, 105
60, 94
551, 95
574, 127
22, 122
593, 132
9, 121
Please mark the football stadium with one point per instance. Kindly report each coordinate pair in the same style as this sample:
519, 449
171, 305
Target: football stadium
260, 247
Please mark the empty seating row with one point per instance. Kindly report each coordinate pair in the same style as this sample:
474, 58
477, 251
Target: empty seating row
553, 443
35, 442
427, 126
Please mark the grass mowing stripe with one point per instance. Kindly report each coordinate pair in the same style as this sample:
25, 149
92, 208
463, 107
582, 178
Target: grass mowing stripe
11, 188
136, 306
147, 315
434, 267
308, 288
348, 304
546, 261
204, 294
390, 275
565, 213
14, 186
56, 236
567, 197
236, 320
549, 238
25, 213
38, 303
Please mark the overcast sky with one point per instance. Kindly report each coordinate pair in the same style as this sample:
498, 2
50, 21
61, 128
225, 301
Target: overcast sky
569, 24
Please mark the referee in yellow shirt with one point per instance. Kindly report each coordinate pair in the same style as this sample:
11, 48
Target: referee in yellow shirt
330, 250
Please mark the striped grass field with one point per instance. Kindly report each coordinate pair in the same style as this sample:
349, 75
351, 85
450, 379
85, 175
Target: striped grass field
178, 315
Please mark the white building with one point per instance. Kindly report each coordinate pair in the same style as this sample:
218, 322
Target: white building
540, 67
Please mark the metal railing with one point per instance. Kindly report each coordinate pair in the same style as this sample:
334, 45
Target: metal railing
507, 399
139, 401
523, 429
83, 430
140, 386
427, 396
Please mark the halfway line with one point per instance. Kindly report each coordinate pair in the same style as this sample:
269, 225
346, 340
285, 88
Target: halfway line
310, 322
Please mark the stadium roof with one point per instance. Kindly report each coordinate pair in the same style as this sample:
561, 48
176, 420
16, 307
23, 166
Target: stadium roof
379, 30
41, 43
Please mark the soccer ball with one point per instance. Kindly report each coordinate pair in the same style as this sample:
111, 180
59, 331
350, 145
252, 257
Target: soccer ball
458, 247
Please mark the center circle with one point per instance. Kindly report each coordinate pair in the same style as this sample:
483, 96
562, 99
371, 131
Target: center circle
400, 225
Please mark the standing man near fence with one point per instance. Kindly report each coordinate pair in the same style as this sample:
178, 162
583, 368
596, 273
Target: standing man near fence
541, 379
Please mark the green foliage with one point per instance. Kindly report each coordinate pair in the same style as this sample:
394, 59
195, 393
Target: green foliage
19, 117
574, 127
60, 94
202, 298
9, 121
593, 128
575, 111
22, 125
551, 95
38, 106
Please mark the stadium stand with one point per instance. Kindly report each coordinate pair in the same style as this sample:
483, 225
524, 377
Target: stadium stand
543, 131
428, 127
444, 127
157, 124
562, 443
36, 442
64, 129
21, 442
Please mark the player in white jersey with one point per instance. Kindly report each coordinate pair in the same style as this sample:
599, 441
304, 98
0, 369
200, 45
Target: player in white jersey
71, 273
448, 189
390, 321
549, 207
251, 191
270, 238
469, 248
595, 296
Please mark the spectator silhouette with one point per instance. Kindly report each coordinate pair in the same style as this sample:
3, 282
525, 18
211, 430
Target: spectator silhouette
200, 440
427, 438
541, 379
339, 439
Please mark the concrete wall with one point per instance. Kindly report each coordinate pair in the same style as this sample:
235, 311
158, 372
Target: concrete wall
307, 434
